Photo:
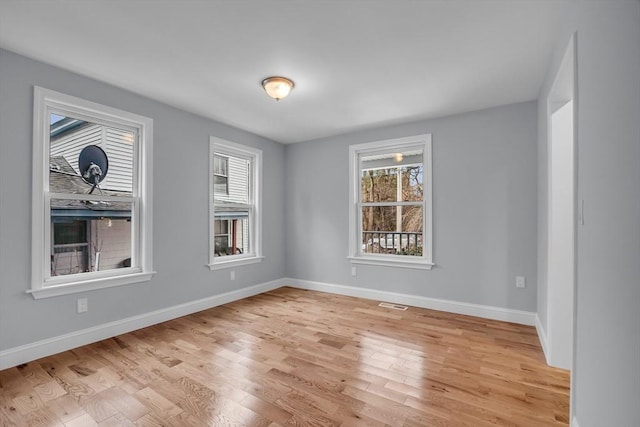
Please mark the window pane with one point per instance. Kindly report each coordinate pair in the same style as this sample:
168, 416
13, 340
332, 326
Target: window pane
391, 177
222, 243
231, 233
221, 227
220, 165
392, 230
412, 178
234, 188
70, 247
220, 185
89, 236
379, 185
73, 231
69, 259
69, 136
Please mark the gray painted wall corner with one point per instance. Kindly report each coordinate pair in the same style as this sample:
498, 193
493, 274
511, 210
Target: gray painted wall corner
485, 168
181, 225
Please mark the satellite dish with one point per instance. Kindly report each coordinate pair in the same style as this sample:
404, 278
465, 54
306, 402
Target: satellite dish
93, 164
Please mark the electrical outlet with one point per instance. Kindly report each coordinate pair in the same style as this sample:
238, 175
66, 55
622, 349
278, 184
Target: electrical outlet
83, 305
233, 275
520, 283
354, 271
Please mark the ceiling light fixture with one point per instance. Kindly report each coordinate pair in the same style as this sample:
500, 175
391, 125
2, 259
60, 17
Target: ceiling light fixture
277, 87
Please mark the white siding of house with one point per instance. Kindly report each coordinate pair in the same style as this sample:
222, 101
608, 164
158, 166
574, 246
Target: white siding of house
117, 144
238, 181
69, 145
113, 243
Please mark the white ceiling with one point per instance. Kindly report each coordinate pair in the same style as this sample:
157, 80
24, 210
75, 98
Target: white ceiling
356, 64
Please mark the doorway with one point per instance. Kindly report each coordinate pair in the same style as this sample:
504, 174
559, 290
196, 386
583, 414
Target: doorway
561, 265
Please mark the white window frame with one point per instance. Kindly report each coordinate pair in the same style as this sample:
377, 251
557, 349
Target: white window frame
42, 284
254, 254
356, 255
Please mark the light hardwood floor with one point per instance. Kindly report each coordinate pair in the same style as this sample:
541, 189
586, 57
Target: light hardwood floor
296, 358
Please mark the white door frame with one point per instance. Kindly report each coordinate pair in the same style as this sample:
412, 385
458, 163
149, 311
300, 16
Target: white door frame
561, 294
561, 261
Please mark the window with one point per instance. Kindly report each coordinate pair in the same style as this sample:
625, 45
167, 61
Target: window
235, 215
221, 234
91, 196
220, 176
70, 243
391, 209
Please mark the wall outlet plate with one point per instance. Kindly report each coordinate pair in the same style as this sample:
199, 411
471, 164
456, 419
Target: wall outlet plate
520, 282
83, 305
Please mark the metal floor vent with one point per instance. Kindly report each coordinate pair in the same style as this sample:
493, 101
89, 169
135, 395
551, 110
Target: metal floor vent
393, 306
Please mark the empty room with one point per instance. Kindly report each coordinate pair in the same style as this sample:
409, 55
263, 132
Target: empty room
320, 213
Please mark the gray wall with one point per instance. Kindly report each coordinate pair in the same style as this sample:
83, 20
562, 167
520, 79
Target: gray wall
180, 229
607, 353
484, 196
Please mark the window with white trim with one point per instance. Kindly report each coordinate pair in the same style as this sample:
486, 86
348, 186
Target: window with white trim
235, 215
91, 196
390, 216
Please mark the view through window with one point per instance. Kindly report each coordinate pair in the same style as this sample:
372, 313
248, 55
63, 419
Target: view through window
231, 204
90, 220
391, 190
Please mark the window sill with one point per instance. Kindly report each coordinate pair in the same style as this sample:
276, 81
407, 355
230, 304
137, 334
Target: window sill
219, 265
386, 262
66, 288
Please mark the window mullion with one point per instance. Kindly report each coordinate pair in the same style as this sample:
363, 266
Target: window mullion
136, 234
230, 206
359, 207
93, 197
252, 230
138, 167
365, 204
48, 246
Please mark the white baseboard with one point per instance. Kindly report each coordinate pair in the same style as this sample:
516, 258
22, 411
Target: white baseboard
26, 353
485, 311
542, 336
32, 351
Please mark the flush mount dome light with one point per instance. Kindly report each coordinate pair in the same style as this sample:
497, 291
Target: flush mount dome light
277, 87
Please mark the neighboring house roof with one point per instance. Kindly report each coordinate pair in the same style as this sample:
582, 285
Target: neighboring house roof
64, 179
65, 125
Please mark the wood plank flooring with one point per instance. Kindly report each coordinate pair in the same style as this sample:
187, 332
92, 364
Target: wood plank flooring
296, 358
